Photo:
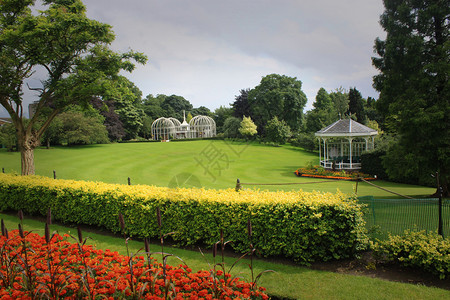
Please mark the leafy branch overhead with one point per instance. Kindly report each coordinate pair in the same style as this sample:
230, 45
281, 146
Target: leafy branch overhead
68, 51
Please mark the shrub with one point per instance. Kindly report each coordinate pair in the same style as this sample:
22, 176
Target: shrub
427, 251
371, 163
307, 141
277, 131
302, 226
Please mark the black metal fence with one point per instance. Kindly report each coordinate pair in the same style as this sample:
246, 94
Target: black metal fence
394, 216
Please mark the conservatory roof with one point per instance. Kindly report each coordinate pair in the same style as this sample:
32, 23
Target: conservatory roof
346, 128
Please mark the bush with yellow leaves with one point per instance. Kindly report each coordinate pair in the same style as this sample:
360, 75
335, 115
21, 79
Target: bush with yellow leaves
302, 226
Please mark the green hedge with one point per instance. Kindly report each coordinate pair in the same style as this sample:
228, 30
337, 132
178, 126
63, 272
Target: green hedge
426, 251
305, 227
371, 163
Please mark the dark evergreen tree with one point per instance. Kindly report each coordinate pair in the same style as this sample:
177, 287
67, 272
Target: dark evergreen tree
414, 87
356, 105
241, 106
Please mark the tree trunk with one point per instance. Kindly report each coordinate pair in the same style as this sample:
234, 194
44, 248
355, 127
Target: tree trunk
27, 158
27, 143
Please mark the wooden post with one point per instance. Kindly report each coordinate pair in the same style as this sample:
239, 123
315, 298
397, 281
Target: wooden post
238, 185
129, 181
54, 174
3, 170
440, 225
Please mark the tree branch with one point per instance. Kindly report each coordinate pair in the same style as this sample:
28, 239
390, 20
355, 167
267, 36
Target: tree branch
35, 89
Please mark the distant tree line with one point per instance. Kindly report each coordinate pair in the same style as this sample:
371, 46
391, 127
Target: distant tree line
84, 99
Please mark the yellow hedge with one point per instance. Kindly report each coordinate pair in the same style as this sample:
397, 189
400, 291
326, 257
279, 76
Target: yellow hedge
300, 225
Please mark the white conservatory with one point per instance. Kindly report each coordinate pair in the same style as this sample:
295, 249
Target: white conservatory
342, 143
171, 128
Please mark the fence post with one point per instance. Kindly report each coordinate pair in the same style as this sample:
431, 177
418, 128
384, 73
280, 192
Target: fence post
3, 170
238, 185
54, 174
129, 181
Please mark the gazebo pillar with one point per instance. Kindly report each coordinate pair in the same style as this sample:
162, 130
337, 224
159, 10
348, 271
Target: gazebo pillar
320, 152
351, 162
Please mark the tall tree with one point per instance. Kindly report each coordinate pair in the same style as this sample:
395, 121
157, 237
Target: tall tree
323, 100
127, 104
414, 85
278, 96
340, 102
240, 105
112, 122
220, 115
323, 113
174, 106
356, 105
73, 51
202, 110
152, 106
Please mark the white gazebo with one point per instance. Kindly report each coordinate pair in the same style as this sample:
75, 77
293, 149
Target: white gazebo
342, 143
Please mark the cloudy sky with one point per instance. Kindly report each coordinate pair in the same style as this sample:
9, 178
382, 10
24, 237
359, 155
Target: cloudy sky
208, 50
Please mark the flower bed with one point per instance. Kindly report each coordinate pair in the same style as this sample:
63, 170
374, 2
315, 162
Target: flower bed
32, 268
320, 172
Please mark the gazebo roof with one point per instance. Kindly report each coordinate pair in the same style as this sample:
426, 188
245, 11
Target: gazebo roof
346, 128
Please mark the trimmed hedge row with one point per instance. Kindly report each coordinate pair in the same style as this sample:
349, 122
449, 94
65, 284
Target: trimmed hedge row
302, 226
418, 249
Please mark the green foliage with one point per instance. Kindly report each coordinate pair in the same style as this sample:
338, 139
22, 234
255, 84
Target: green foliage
231, 127
174, 106
71, 50
418, 249
241, 106
356, 105
152, 106
414, 64
127, 99
8, 136
340, 102
278, 96
302, 226
202, 110
277, 131
78, 129
318, 119
323, 114
247, 128
372, 163
307, 141
323, 100
220, 115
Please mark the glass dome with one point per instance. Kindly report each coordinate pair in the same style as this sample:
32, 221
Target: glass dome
202, 126
163, 129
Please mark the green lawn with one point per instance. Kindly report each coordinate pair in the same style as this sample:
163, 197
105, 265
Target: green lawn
211, 164
289, 281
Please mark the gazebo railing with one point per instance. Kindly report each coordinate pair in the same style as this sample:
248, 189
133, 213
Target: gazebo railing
328, 164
